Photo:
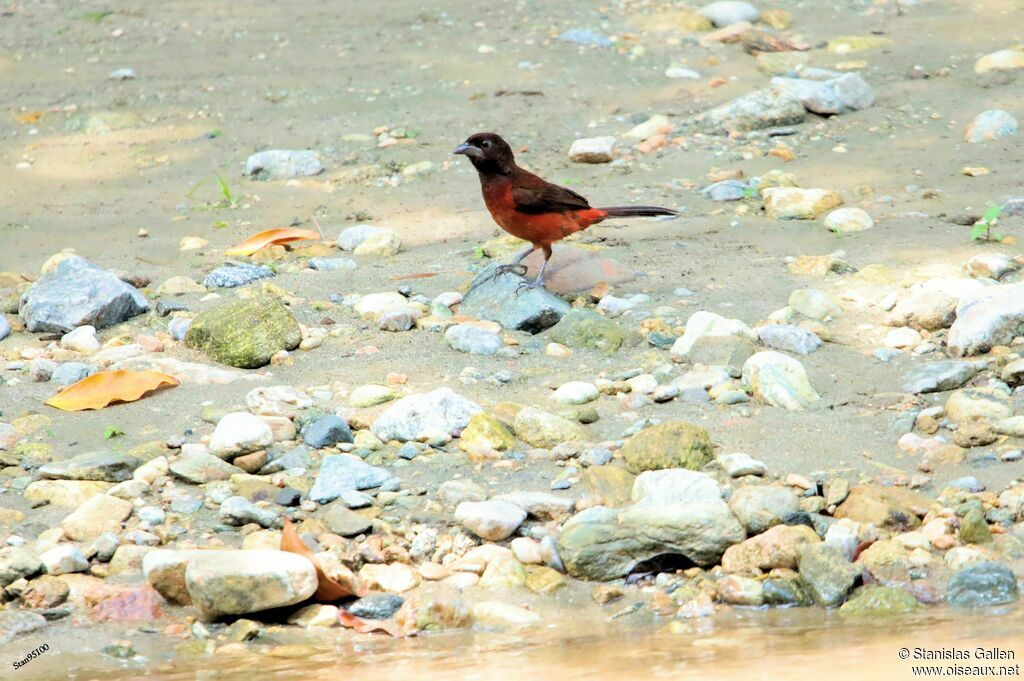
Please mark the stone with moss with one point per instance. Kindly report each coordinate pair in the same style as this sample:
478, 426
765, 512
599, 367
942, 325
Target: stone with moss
589, 330
675, 444
244, 333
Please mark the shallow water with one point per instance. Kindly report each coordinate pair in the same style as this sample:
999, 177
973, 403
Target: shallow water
740, 644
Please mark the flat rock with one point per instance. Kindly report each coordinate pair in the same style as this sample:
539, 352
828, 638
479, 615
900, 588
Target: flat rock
983, 584
849, 92
239, 582
726, 12
795, 203
439, 410
768, 108
673, 444
369, 240
202, 467
493, 520
789, 338
586, 329
239, 433
779, 380
101, 466
993, 317
283, 164
14, 623
233, 276
101, 513
244, 333
939, 377
701, 324
593, 150
543, 429
341, 472
759, 507
495, 299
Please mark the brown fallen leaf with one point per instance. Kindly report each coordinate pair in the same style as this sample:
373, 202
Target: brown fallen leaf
350, 621
283, 235
28, 117
418, 275
328, 589
106, 387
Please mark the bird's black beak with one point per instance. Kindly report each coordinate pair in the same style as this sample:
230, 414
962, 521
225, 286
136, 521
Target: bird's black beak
468, 150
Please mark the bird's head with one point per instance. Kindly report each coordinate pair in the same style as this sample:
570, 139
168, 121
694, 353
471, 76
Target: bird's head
488, 153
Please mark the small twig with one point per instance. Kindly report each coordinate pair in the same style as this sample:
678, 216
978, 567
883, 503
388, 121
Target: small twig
317, 223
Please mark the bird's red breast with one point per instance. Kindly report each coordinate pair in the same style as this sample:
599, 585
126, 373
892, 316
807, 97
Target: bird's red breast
531, 209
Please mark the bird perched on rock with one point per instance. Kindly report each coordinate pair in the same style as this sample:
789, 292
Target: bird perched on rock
531, 208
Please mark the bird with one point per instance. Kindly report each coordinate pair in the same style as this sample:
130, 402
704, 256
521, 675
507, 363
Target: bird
531, 208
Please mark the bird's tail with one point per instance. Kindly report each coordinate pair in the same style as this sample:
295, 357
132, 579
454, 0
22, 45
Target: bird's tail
637, 211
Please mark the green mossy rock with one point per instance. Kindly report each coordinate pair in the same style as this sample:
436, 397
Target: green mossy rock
879, 601
587, 329
244, 333
676, 444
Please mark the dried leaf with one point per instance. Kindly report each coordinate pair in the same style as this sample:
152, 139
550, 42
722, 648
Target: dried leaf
350, 621
268, 237
418, 275
28, 117
99, 390
328, 589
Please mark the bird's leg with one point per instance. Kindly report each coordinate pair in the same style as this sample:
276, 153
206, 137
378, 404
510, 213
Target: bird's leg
515, 266
538, 282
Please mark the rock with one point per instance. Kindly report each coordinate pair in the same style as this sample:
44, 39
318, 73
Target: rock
575, 270
371, 395
223, 583
739, 464
376, 606
777, 547
768, 108
978, 404
982, 584
233, 276
77, 293
17, 622
202, 467
674, 485
737, 590
277, 400
341, 472
179, 286
726, 190
602, 543
451, 493
611, 484
890, 507
827, 575
815, 304
728, 352
341, 520
244, 333
592, 150
973, 528
331, 264
789, 338
240, 511
326, 431
581, 328
496, 300
991, 266
369, 240
992, 317
839, 95
45, 592
393, 578
674, 444
702, 324
542, 429
240, 433
5, 327
1013, 426
540, 505
502, 615
17, 563
64, 493
779, 381
1003, 60
575, 392
283, 164
101, 513
472, 339
876, 600
376, 305
102, 466
794, 203
492, 520
83, 339
939, 377
63, 559
726, 12
760, 507
678, 72
925, 310
440, 410
486, 433
848, 220
585, 36
316, 615
991, 125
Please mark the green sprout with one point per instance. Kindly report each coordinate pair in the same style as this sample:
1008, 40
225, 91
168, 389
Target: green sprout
982, 229
111, 432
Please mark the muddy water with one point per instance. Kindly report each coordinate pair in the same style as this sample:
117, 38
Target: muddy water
741, 644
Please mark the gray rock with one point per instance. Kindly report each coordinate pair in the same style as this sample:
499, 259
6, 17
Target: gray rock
202, 467
739, 464
761, 507
64, 559
531, 310
451, 493
341, 472
726, 12
233, 276
585, 36
492, 520
991, 125
296, 458
726, 190
826, 574
5, 327
71, 372
789, 338
603, 543
355, 499
768, 108
104, 466
982, 584
16, 622
235, 582
78, 293
849, 92
439, 410
178, 327
16, 563
283, 164
939, 377
472, 339
326, 431
993, 317
346, 523
331, 264
376, 606
241, 511
542, 505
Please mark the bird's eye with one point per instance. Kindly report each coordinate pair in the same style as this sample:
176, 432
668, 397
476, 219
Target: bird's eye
486, 144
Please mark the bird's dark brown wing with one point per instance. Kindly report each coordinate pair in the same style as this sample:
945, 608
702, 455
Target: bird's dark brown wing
533, 195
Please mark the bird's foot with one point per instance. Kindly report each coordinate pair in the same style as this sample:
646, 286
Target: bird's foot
514, 268
529, 285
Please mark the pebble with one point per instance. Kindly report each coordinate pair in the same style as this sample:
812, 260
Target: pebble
991, 125
332, 264
727, 12
240, 433
789, 338
585, 36
492, 520
366, 239
576, 392
64, 559
83, 339
593, 150
848, 220
283, 164
233, 276
472, 339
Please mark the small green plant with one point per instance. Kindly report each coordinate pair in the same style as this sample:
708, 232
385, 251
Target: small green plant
750, 193
95, 17
982, 229
111, 432
228, 198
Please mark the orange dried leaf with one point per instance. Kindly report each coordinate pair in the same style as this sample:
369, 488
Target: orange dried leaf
350, 621
328, 589
284, 235
99, 390
417, 275
28, 117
